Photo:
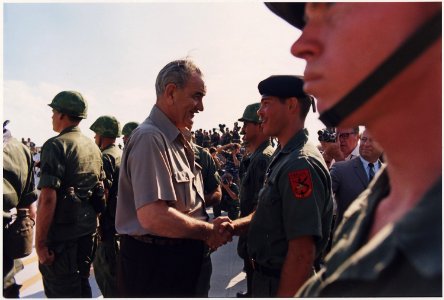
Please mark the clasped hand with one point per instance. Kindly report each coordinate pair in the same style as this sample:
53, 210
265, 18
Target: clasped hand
221, 234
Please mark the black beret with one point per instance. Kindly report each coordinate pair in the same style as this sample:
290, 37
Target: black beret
291, 12
282, 86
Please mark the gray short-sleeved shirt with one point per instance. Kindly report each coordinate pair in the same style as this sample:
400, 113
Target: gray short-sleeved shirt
155, 167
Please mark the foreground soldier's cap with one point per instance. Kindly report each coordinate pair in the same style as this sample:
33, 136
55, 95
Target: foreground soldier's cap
250, 113
71, 103
129, 127
291, 12
106, 126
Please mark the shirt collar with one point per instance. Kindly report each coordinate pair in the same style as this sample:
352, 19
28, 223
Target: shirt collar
70, 129
297, 141
164, 124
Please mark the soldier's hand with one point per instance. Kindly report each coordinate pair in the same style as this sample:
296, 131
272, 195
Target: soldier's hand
46, 256
217, 236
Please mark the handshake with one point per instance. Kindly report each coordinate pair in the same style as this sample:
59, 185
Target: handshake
222, 233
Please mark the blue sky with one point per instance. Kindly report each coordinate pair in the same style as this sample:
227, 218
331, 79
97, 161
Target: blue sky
112, 52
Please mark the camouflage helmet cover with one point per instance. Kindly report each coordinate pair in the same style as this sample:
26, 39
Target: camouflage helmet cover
106, 126
71, 103
129, 127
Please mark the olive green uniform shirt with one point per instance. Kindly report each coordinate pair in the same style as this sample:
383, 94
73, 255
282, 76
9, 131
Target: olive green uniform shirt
404, 259
111, 157
211, 178
18, 178
296, 200
71, 160
252, 180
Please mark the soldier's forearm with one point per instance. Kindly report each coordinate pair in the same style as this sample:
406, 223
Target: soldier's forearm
45, 215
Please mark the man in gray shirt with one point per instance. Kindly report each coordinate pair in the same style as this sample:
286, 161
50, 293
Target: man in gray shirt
160, 209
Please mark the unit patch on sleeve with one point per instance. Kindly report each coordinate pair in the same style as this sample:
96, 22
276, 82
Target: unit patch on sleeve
301, 183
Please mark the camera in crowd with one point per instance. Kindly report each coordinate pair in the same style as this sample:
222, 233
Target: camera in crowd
222, 127
225, 181
327, 135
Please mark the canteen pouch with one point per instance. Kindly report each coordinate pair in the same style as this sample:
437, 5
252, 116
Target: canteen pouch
19, 234
98, 199
67, 208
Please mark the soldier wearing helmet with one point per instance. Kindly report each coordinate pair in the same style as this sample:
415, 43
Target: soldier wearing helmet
107, 129
71, 169
380, 65
127, 130
259, 151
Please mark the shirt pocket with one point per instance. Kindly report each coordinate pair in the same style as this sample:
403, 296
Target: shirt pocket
183, 188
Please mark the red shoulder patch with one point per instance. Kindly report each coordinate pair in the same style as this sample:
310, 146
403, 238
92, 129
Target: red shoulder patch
301, 183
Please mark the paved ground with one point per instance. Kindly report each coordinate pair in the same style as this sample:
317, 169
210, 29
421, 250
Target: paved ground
227, 278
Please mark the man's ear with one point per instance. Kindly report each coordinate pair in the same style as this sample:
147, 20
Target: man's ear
170, 90
293, 104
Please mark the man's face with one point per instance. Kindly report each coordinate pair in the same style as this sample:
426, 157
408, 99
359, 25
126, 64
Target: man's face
348, 140
188, 101
250, 132
369, 149
56, 119
97, 139
272, 113
343, 42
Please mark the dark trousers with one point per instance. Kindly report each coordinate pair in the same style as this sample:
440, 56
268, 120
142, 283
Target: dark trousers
248, 268
153, 270
105, 268
68, 275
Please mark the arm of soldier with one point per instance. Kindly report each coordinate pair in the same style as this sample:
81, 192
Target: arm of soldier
163, 220
297, 266
45, 215
238, 226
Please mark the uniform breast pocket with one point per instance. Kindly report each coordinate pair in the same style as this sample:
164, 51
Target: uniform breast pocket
183, 186
269, 194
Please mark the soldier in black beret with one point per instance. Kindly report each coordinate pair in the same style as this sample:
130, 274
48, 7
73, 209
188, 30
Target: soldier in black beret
290, 228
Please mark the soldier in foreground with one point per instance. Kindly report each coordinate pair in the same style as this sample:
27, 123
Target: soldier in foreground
380, 65
71, 172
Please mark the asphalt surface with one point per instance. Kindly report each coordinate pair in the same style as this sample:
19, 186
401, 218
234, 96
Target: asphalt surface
227, 278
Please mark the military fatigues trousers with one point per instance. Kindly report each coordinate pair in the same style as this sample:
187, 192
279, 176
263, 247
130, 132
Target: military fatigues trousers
67, 276
105, 267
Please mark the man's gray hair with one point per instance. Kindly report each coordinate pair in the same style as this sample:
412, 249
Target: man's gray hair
177, 72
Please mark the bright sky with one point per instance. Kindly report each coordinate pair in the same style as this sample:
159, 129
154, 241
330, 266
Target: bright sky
112, 53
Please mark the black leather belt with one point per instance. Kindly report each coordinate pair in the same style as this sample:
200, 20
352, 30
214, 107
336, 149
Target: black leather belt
160, 240
276, 273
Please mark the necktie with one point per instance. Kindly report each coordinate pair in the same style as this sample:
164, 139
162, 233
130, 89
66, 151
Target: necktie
371, 171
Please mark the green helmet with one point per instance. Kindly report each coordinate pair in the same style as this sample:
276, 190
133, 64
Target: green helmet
106, 126
129, 127
250, 113
71, 103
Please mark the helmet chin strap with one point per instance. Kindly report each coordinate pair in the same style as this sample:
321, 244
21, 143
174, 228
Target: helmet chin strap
412, 48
